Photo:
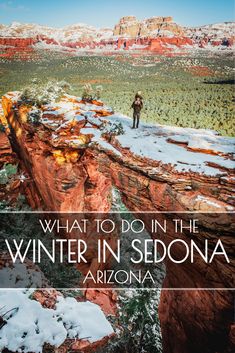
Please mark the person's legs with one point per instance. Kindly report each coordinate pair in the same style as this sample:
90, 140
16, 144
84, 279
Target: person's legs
134, 120
138, 119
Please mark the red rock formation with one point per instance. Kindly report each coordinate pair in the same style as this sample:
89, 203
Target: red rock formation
164, 43
191, 317
106, 299
18, 42
6, 153
191, 321
158, 45
129, 31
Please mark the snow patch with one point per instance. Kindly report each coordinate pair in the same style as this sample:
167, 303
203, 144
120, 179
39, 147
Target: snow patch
29, 325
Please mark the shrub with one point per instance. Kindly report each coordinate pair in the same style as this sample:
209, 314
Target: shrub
4, 205
113, 128
34, 116
87, 94
140, 320
7, 172
138, 327
39, 94
90, 94
2, 127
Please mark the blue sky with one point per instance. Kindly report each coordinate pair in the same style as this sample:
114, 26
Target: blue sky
106, 13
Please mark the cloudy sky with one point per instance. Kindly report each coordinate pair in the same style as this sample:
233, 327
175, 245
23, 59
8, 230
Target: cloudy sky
106, 13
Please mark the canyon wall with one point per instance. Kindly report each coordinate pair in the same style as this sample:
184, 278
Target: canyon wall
72, 164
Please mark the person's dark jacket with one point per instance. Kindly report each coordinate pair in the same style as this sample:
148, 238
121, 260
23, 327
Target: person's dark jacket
137, 107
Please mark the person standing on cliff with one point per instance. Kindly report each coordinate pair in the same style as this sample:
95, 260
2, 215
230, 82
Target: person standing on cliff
137, 105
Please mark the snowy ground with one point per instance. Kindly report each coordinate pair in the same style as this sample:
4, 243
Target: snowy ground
29, 325
160, 143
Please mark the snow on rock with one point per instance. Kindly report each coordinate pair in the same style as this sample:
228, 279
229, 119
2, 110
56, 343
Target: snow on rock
25, 335
66, 34
84, 320
206, 200
72, 319
186, 150
216, 30
163, 143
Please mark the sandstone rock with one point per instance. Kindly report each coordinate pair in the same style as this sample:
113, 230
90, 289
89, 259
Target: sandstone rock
199, 320
218, 34
46, 297
129, 26
6, 153
106, 299
17, 42
88, 347
160, 44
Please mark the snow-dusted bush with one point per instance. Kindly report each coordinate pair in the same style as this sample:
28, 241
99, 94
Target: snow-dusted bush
34, 116
138, 327
139, 318
38, 94
113, 128
89, 93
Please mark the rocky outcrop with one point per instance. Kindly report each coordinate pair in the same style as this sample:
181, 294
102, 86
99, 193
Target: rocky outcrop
218, 34
161, 45
75, 150
17, 42
129, 26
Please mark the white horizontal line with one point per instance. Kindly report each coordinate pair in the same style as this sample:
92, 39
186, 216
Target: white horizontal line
113, 289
